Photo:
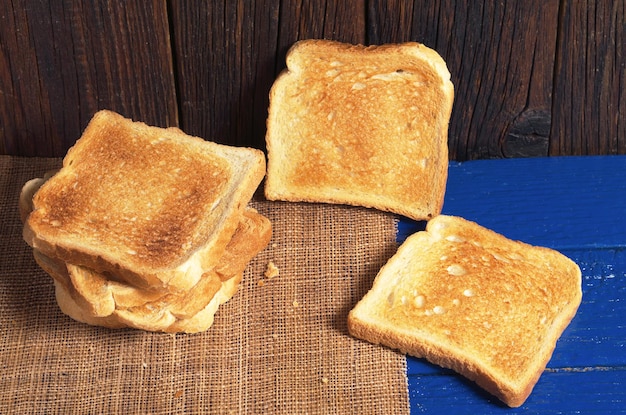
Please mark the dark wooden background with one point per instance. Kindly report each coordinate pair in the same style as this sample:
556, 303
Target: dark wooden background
532, 77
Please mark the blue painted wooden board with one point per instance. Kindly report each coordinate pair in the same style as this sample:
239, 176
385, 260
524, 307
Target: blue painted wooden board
577, 206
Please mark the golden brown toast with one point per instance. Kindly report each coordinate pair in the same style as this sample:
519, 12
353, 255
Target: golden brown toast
92, 298
205, 318
99, 295
469, 299
151, 205
191, 312
161, 320
105, 294
68, 300
253, 234
188, 312
29, 189
360, 125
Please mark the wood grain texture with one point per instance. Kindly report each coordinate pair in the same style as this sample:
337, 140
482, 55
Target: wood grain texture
532, 78
556, 393
308, 19
228, 54
500, 55
61, 61
589, 111
224, 54
567, 216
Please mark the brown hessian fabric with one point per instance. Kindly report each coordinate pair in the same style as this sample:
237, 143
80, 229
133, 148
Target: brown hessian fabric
280, 345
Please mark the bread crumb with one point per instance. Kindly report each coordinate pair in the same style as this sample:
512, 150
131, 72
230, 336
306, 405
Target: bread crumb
296, 303
324, 380
178, 393
261, 282
271, 271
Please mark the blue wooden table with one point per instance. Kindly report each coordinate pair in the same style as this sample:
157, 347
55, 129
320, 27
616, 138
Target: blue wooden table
576, 205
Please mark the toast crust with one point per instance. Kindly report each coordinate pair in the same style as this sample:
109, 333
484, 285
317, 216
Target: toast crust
152, 205
360, 125
469, 299
104, 294
94, 298
164, 321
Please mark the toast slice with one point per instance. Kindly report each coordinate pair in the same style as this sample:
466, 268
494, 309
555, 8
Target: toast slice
98, 295
92, 291
153, 206
253, 235
358, 125
164, 322
105, 294
29, 189
204, 319
101, 294
68, 300
469, 299
89, 297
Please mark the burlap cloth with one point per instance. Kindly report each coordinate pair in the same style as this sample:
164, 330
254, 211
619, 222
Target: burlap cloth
278, 347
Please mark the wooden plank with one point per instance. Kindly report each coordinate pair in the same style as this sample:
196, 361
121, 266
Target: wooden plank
501, 57
556, 392
224, 53
225, 75
532, 78
560, 202
344, 21
62, 61
597, 335
590, 84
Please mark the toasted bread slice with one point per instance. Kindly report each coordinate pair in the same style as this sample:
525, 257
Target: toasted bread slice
165, 319
79, 308
150, 317
164, 322
469, 299
162, 313
253, 235
204, 319
360, 125
106, 294
89, 297
92, 291
67, 304
151, 205
28, 191
98, 295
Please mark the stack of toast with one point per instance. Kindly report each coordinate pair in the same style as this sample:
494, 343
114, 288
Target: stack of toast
368, 126
146, 227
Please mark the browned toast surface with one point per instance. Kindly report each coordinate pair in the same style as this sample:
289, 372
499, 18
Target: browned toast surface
469, 299
143, 202
360, 125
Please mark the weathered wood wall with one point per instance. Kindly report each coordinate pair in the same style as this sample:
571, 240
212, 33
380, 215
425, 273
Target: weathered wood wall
532, 78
